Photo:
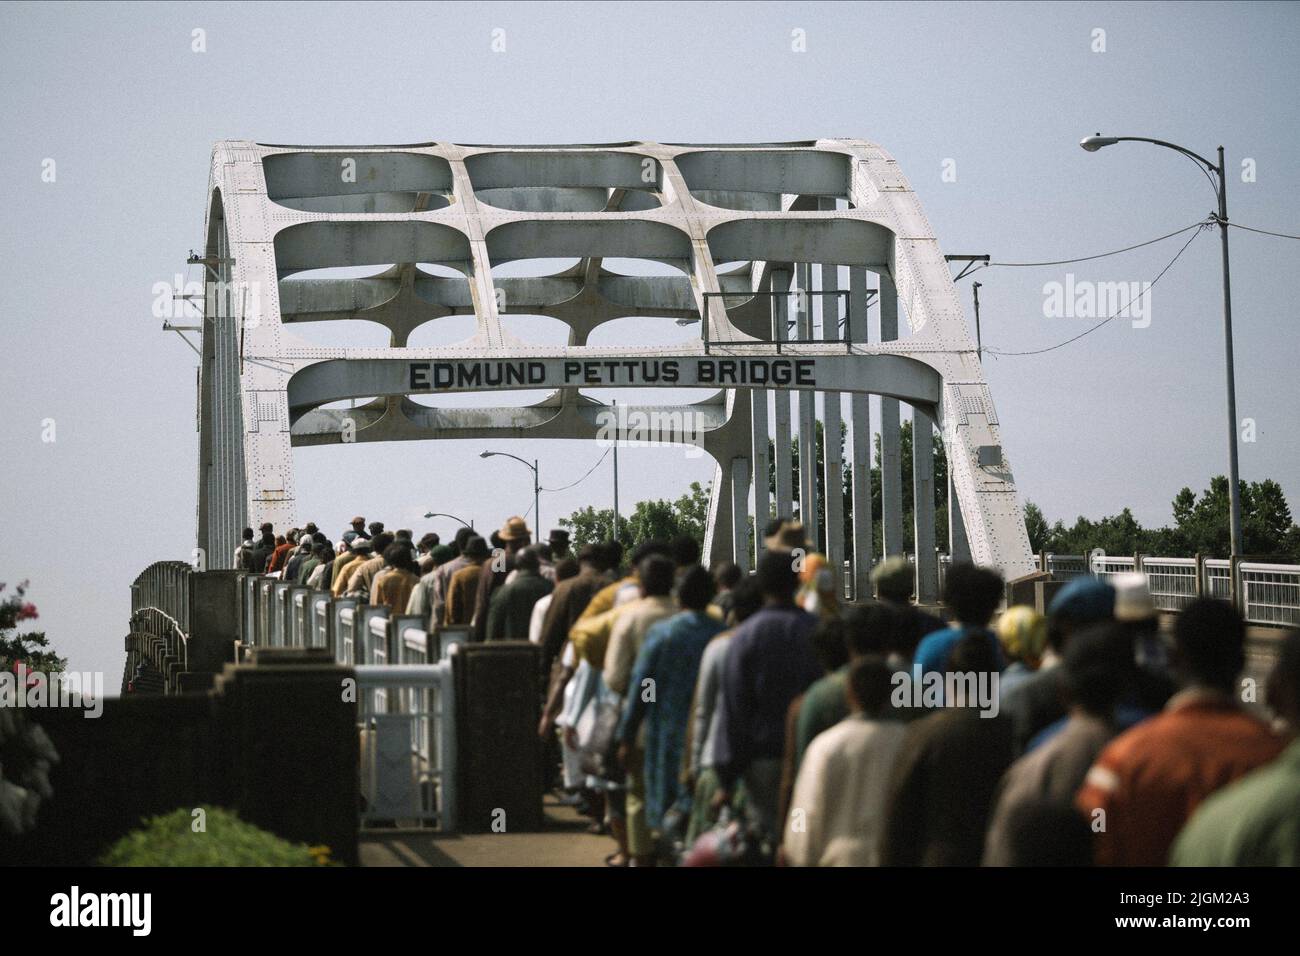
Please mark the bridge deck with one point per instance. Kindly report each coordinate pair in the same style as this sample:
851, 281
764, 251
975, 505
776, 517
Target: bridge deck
564, 842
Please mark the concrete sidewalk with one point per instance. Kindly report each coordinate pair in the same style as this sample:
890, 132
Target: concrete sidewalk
564, 842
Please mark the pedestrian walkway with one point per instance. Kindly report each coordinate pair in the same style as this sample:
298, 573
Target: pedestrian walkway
564, 842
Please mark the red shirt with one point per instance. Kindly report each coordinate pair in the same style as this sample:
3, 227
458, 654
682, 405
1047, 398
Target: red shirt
1148, 781
278, 557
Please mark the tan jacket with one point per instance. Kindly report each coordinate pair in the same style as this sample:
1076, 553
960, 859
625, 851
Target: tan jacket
392, 589
628, 634
344, 574
363, 575
462, 591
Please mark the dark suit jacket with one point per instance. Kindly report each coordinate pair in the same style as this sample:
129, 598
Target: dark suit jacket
943, 786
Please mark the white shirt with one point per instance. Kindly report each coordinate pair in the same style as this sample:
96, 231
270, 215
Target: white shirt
837, 812
538, 616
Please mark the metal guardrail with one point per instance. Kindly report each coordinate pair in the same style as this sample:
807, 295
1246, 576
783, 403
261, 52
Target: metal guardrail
1267, 594
408, 750
160, 623
1270, 593
406, 715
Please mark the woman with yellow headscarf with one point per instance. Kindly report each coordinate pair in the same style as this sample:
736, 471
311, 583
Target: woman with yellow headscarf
817, 588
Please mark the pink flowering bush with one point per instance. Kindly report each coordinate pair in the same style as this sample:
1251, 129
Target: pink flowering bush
24, 652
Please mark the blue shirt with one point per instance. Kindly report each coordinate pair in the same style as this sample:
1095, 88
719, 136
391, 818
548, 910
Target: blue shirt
668, 664
770, 661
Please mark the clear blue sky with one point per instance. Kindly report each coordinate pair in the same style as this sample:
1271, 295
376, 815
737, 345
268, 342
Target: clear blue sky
114, 94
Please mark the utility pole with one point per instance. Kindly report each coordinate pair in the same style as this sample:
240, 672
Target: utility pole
615, 533
1096, 142
979, 342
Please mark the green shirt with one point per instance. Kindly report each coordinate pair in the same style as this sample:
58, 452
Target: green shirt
1252, 822
824, 705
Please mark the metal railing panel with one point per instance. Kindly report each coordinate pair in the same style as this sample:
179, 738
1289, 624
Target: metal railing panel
1270, 593
1171, 581
345, 630
320, 618
408, 768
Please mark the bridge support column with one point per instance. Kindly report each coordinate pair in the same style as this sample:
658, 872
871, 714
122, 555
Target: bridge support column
781, 428
927, 559
729, 495
958, 546
222, 493
807, 416
762, 499
740, 473
833, 480
860, 418
891, 463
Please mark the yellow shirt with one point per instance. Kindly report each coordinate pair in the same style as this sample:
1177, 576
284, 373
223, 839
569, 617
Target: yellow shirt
345, 572
603, 599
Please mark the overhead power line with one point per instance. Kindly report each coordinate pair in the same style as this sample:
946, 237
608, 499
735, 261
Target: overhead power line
1103, 255
1263, 232
1120, 311
586, 476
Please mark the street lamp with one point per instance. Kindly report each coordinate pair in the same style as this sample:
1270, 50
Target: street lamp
536, 485
1096, 142
443, 514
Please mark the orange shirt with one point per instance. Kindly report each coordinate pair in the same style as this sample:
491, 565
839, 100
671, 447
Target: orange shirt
1149, 780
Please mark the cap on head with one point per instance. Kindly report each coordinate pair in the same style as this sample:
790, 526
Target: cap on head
789, 537
893, 578
1133, 598
1085, 600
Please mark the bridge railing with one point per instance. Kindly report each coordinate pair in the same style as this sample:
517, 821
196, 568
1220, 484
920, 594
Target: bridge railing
160, 627
1265, 593
408, 753
1270, 593
405, 695
1171, 581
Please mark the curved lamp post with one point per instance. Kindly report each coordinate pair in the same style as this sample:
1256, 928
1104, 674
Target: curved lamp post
1096, 142
537, 520
443, 514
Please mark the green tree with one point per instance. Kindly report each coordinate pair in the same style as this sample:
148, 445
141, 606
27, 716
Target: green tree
1267, 528
1039, 532
650, 520
1200, 524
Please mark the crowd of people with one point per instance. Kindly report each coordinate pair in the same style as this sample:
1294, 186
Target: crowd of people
709, 717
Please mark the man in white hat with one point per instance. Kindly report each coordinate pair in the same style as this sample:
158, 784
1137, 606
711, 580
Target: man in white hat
1135, 611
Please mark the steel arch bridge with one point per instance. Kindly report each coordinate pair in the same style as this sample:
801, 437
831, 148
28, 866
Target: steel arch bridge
743, 231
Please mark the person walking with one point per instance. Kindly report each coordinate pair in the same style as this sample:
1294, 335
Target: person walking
770, 661
392, 585
463, 586
658, 709
510, 610
837, 810
1149, 780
